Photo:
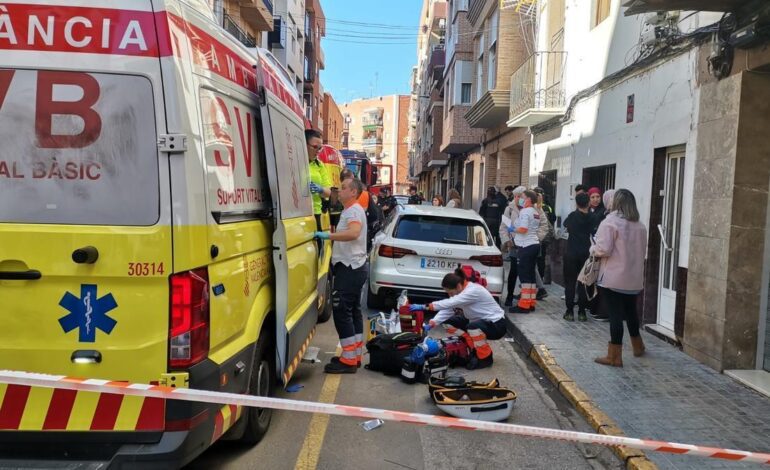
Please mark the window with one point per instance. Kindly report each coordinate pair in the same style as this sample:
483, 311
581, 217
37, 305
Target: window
602, 177
434, 229
480, 78
493, 23
601, 11
465, 93
106, 175
547, 181
492, 68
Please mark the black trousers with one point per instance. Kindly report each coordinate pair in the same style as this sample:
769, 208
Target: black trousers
620, 307
513, 274
492, 330
572, 267
346, 299
527, 257
541, 265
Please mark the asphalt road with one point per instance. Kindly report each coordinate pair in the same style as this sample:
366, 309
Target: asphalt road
304, 441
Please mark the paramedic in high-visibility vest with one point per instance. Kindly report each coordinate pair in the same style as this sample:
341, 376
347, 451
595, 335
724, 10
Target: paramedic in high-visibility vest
320, 181
350, 273
481, 318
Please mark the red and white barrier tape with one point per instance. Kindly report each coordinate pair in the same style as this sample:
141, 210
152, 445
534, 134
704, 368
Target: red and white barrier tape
205, 396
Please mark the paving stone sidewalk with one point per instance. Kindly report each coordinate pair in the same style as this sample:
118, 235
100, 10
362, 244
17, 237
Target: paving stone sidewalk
664, 395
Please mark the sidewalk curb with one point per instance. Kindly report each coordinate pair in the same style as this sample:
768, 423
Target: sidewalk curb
634, 459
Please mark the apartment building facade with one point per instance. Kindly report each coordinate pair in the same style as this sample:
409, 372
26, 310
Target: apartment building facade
614, 99
458, 137
429, 162
371, 125
287, 40
248, 21
334, 122
313, 63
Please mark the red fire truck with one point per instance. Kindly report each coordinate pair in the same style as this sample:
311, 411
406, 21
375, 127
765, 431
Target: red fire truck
375, 176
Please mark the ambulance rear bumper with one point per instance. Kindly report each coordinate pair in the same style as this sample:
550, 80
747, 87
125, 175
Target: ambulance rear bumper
95, 450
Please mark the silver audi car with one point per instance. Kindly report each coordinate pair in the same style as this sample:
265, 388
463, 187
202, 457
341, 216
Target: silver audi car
419, 245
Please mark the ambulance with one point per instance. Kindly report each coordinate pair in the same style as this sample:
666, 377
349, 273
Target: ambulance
156, 226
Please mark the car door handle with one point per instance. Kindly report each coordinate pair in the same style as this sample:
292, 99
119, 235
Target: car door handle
30, 275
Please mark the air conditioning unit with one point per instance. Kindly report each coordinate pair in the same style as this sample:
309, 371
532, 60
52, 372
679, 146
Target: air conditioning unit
277, 37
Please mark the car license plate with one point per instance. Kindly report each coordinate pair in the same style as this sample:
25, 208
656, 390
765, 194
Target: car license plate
438, 263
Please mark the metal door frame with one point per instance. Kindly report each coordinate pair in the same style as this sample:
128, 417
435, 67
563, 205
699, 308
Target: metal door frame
677, 237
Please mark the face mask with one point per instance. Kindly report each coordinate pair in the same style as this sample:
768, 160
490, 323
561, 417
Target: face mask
521, 202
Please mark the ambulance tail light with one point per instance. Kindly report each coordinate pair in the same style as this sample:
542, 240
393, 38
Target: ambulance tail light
489, 260
387, 251
189, 326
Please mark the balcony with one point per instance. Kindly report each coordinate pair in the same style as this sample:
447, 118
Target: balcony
537, 90
371, 123
258, 14
490, 110
371, 143
437, 63
238, 33
320, 57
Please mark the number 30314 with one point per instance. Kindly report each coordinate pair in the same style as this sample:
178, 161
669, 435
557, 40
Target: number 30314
146, 269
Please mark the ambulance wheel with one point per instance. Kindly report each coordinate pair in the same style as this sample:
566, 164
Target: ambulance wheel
326, 309
262, 383
374, 301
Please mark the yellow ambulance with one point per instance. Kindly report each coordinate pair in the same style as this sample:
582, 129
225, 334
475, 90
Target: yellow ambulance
156, 226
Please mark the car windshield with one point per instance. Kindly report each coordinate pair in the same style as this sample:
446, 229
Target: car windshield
455, 231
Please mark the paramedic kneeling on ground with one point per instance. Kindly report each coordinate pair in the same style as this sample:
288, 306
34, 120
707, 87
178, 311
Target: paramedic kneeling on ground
350, 272
481, 319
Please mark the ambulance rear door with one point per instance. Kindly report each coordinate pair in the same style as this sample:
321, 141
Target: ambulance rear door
295, 254
85, 243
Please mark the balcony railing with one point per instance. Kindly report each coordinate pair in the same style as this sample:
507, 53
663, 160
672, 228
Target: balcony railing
537, 89
233, 28
372, 142
371, 122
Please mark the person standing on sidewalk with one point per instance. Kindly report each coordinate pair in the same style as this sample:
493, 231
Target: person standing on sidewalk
491, 210
481, 318
350, 272
621, 243
545, 235
578, 225
525, 238
596, 307
511, 213
454, 200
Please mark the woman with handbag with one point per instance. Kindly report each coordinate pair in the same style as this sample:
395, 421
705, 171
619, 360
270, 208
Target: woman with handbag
621, 243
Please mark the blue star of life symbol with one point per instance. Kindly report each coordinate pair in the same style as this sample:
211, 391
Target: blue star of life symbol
87, 313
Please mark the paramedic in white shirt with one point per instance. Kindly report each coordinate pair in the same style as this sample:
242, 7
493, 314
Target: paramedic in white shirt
350, 273
525, 238
470, 312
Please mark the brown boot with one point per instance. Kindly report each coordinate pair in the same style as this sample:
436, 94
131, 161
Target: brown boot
614, 356
638, 344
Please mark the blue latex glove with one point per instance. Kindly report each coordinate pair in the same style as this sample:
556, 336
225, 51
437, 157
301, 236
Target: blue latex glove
416, 307
321, 235
511, 230
315, 189
426, 327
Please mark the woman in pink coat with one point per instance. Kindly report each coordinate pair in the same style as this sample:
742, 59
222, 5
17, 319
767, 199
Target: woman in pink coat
621, 244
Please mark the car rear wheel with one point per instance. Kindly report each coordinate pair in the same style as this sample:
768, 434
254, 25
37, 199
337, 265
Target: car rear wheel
374, 301
261, 383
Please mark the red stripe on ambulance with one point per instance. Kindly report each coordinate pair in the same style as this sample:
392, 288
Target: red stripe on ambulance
77, 29
59, 409
13, 406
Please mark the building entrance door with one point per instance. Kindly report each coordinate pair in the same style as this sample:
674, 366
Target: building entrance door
670, 230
